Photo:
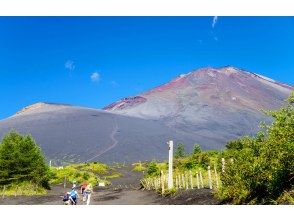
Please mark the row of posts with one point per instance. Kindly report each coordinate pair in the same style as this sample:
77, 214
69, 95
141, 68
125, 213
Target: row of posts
180, 178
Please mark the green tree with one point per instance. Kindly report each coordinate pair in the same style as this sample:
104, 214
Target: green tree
180, 151
21, 159
197, 149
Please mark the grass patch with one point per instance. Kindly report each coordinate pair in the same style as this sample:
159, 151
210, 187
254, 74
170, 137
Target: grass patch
80, 173
25, 188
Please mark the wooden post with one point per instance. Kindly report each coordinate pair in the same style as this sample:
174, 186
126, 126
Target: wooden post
201, 179
232, 160
191, 179
209, 177
50, 163
216, 177
162, 182
197, 179
223, 165
170, 164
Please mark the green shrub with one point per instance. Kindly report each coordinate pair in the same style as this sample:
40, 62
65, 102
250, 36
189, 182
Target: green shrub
263, 166
152, 169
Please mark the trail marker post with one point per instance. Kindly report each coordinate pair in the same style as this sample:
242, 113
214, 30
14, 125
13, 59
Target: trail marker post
50, 163
170, 164
209, 177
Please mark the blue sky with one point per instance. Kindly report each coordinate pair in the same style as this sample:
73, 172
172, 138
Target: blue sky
93, 61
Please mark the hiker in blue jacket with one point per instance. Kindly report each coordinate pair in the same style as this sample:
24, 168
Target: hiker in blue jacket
74, 196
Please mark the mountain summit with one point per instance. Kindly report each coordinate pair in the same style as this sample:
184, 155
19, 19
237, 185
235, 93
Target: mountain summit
209, 106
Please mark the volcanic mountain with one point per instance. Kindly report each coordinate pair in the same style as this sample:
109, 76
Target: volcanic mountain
209, 106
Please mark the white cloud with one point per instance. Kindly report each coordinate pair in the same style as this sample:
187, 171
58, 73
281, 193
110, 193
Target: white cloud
95, 77
214, 20
70, 65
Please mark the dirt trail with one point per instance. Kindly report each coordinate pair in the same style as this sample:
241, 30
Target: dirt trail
124, 190
112, 137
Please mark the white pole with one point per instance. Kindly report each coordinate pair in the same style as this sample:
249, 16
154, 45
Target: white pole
162, 182
201, 179
3, 192
191, 179
209, 177
186, 181
197, 178
89, 198
183, 181
179, 179
216, 177
50, 163
170, 165
223, 165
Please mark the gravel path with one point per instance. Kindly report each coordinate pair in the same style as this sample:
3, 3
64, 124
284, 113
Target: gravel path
124, 190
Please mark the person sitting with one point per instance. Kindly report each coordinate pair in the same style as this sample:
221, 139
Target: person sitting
66, 198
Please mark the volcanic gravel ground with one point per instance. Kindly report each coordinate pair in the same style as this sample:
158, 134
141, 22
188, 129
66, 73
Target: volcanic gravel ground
124, 190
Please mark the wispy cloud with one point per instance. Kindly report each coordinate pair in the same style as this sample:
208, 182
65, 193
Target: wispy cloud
113, 84
69, 65
95, 77
214, 21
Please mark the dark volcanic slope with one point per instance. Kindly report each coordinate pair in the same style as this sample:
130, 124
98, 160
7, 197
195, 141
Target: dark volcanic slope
68, 133
208, 106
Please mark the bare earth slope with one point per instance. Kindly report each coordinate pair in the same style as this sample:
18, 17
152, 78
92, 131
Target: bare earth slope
208, 106
76, 134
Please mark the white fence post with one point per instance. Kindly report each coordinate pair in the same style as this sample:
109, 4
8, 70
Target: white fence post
201, 179
223, 165
3, 192
186, 180
179, 179
209, 177
162, 182
170, 164
216, 177
183, 181
191, 179
197, 179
